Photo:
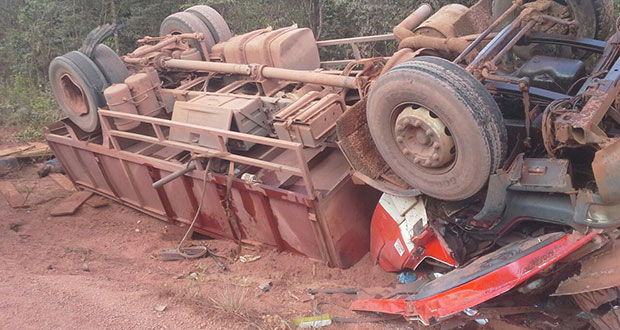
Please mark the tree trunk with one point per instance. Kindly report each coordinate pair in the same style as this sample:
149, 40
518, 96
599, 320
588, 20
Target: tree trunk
115, 22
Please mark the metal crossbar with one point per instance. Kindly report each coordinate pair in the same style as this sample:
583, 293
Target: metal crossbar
301, 170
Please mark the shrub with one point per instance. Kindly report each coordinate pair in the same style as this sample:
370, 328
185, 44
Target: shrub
26, 106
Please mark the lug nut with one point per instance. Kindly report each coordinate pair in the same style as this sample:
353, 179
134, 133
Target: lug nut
400, 139
400, 127
406, 152
435, 157
436, 145
417, 160
417, 123
429, 132
427, 162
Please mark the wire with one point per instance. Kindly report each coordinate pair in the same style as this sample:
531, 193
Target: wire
191, 226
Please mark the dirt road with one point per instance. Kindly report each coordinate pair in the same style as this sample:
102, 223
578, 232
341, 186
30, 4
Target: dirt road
96, 270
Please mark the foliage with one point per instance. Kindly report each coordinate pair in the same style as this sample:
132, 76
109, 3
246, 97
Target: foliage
33, 32
25, 105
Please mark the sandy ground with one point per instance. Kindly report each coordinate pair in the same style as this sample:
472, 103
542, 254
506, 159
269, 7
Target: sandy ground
43, 284
97, 269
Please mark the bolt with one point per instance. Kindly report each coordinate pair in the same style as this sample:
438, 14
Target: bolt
417, 123
400, 127
435, 157
406, 151
417, 160
400, 139
436, 145
427, 162
429, 132
407, 121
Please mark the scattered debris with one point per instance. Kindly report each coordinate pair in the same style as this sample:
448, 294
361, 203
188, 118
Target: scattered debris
313, 321
407, 277
34, 150
12, 196
85, 267
70, 204
8, 165
266, 286
49, 267
62, 181
14, 150
217, 260
96, 202
160, 308
248, 258
193, 252
292, 295
14, 226
51, 166
330, 291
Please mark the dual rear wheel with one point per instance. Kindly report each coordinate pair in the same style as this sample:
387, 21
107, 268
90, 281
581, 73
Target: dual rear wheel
78, 81
198, 19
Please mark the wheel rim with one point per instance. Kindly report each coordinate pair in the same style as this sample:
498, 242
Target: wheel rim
423, 138
74, 95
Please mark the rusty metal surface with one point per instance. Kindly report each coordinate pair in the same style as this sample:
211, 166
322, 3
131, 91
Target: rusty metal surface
288, 220
599, 271
590, 302
405, 28
606, 168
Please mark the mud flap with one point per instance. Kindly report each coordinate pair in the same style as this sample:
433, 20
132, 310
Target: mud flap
483, 279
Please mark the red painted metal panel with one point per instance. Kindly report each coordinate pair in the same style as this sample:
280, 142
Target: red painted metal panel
286, 219
483, 283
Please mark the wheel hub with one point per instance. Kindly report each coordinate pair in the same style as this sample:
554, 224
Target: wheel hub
423, 138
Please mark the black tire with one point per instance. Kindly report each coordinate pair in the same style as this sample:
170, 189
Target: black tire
182, 22
463, 105
78, 84
213, 20
110, 64
595, 17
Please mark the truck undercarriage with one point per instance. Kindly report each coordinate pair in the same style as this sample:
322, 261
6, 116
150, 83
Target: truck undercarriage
487, 145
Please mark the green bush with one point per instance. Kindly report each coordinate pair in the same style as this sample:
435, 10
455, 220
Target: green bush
27, 107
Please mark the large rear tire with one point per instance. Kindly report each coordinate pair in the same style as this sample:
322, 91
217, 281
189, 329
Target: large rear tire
78, 84
183, 22
213, 20
110, 64
437, 127
595, 17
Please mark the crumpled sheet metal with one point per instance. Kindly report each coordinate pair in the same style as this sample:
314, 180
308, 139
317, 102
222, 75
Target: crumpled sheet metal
606, 168
598, 272
484, 279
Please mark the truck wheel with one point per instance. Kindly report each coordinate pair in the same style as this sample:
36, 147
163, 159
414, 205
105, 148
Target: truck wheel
110, 64
437, 127
78, 84
183, 22
595, 17
213, 20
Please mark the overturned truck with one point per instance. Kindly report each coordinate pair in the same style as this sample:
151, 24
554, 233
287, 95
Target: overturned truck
483, 153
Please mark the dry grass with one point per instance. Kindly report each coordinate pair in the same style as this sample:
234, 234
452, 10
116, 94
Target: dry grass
230, 300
